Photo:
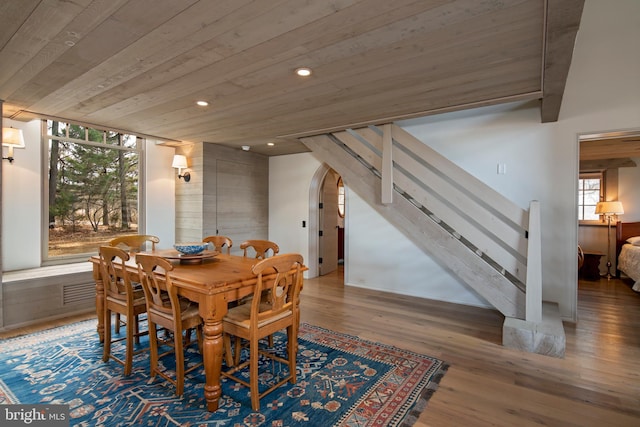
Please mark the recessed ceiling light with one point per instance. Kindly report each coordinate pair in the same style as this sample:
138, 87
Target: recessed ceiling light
303, 71
202, 103
271, 144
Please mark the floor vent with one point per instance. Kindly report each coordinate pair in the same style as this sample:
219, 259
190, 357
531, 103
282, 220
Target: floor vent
79, 293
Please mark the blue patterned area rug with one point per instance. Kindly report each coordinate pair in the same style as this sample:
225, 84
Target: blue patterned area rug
342, 381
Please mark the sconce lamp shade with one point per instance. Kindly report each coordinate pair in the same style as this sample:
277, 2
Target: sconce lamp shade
179, 161
609, 208
12, 137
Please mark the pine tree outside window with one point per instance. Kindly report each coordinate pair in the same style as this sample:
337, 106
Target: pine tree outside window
92, 189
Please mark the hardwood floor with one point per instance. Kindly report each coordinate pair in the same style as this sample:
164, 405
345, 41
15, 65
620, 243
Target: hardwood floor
596, 384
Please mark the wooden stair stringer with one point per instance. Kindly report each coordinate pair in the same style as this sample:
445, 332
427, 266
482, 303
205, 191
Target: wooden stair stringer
493, 286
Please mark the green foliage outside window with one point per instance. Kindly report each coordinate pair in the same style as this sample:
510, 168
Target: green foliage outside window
93, 187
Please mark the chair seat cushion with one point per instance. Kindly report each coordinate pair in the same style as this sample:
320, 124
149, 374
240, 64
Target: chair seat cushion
241, 316
187, 309
138, 299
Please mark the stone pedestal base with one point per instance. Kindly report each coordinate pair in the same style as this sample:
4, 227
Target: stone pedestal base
546, 337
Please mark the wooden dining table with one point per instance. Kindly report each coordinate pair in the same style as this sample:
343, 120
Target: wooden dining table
212, 282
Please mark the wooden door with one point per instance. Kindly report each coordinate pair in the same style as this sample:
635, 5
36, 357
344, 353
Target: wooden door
328, 239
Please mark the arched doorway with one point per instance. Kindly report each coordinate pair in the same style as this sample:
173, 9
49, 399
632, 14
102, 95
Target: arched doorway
326, 221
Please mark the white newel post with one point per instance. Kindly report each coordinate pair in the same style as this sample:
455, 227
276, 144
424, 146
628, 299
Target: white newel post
534, 265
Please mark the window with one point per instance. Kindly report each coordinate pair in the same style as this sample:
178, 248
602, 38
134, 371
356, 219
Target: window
92, 188
590, 192
340, 198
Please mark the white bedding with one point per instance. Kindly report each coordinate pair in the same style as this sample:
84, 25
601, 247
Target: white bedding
629, 263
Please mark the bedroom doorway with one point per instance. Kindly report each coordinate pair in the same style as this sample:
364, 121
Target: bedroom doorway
609, 169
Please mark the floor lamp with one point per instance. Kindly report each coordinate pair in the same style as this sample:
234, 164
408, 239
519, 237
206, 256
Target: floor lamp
609, 209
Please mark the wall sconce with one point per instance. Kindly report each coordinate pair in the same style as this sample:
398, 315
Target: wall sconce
12, 138
180, 162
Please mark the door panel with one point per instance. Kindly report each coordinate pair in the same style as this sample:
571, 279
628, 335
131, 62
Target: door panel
329, 224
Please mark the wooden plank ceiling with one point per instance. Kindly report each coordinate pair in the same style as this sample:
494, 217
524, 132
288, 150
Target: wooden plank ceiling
140, 65
610, 151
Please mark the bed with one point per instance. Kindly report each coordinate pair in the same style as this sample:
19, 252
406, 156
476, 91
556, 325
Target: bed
628, 255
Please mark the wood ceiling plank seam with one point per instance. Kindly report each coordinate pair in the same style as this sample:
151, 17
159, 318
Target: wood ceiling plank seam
136, 108
145, 102
154, 96
427, 23
218, 42
14, 13
105, 40
42, 25
110, 39
360, 97
83, 23
287, 16
369, 17
384, 55
315, 17
315, 127
143, 55
141, 89
252, 96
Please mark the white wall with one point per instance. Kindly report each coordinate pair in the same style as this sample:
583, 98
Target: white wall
602, 94
289, 181
22, 198
379, 256
159, 193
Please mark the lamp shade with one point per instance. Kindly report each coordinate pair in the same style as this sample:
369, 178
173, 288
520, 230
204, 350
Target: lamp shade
179, 161
12, 137
609, 208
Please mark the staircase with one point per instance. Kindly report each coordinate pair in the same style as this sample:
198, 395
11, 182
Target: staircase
489, 242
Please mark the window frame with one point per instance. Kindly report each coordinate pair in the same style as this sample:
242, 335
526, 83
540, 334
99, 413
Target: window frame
45, 137
590, 175
341, 196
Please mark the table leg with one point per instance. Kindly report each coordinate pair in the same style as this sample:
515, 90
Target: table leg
213, 349
99, 300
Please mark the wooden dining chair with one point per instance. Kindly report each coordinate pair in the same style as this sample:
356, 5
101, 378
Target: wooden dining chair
135, 242
219, 242
165, 309
260, 319
260, 248
121, 298
132, 243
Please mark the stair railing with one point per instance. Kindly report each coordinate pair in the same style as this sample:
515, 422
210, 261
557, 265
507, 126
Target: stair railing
496, 229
